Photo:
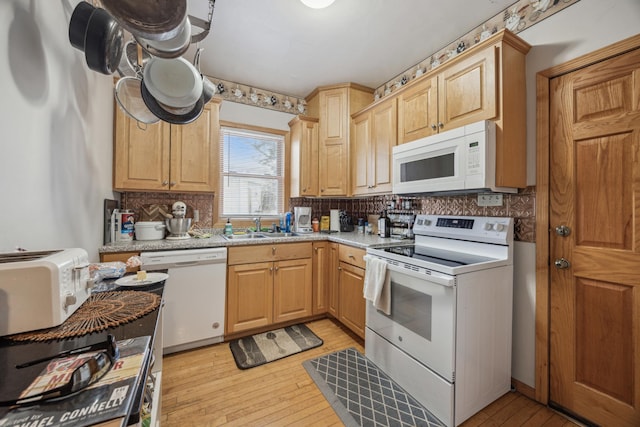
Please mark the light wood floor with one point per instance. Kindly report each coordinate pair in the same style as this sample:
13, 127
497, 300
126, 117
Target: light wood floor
203, 387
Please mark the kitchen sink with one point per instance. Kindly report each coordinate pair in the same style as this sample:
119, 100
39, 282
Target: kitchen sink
281, 234
249, 236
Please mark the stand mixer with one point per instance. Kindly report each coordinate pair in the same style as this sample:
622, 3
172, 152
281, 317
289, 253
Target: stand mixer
178, 226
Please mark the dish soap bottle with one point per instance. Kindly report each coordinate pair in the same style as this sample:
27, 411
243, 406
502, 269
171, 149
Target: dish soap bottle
228, 228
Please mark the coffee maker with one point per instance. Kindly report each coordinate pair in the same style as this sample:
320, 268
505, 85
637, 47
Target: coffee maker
302, 220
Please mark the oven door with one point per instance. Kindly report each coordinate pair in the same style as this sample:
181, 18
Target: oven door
422, 320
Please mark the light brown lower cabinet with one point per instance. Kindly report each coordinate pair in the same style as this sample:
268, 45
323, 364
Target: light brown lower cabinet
276, 286
346, 278
321, 280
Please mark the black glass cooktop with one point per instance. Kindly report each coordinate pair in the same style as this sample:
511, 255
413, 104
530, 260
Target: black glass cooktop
436, 256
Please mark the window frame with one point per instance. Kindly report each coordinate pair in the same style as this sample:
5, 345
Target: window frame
219, 221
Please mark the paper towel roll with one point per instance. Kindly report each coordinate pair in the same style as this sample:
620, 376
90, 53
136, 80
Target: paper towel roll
334, 220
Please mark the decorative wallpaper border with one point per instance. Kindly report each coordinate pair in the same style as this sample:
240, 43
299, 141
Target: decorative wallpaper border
243, 94
517, 17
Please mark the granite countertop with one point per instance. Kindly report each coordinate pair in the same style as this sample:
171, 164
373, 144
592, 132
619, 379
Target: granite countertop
217, 240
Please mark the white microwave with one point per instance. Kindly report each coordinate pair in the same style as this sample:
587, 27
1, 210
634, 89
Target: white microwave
458, 160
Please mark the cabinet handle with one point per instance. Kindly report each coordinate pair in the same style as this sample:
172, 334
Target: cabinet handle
351, 256
315, 249
322, 190
172, 183
277, 268
270, 268
165, 182
440, 125
339, 268
433, 126
273, 250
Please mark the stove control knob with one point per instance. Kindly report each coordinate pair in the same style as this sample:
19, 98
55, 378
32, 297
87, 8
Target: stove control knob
488, 226
499, 227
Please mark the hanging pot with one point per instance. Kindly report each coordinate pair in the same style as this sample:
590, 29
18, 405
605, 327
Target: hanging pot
173, 82
78, 24
103, 42
208, 87
170, 48
176, 116
152, 20
129, 98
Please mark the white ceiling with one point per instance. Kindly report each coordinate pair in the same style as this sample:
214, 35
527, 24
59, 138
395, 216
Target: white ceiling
286, 47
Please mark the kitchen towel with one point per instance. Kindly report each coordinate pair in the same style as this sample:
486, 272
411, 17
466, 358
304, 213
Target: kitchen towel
377, 288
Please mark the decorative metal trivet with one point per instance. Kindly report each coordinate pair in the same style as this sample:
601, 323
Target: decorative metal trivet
100, 311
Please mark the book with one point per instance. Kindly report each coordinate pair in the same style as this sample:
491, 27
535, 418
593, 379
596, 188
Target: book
109, 398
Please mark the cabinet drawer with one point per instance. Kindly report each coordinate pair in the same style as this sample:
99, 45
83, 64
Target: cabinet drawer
353, 256
263, 253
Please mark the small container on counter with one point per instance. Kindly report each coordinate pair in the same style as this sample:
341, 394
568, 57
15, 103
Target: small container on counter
315, 225
361, 225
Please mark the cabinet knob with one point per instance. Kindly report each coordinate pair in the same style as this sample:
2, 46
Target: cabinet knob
165, 182
440, 125
315, 249
322, 190
433, 126
276, 268
273, 250
339, 268
172, 183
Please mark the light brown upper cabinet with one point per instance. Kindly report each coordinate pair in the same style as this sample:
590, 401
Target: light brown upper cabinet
164, 157
486, 82
372, 138
304, 156
334, 106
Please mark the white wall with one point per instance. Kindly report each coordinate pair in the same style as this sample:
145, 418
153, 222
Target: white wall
56, 120
582, 28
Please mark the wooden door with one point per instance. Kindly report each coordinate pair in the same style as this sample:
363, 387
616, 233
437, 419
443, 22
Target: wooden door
360, 154
467, 91
384, 135
249, 296
352, 302
141, 154
320, 277
193, 153
595, 275
334, 279
418, 110
292, 290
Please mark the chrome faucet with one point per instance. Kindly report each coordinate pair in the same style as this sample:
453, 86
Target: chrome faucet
258, 224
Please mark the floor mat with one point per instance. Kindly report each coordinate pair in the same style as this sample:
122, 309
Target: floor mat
259, 349
363, 395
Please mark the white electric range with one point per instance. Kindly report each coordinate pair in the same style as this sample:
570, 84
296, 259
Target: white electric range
447, 340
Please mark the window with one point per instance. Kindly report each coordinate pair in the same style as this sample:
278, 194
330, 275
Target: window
251, 173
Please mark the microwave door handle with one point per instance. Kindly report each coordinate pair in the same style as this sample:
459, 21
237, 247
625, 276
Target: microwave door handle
448, 282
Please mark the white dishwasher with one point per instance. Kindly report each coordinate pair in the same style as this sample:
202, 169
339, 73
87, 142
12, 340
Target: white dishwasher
194, 296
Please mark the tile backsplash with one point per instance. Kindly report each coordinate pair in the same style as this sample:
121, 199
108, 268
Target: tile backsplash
520, 206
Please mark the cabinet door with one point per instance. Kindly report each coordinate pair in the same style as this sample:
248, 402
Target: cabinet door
292, 290
193, 153
361, 155
383, 138
333, 276
320, 277
352, 302
333, 145
418, 110
249, 296
304, 156
141, 154
467, 90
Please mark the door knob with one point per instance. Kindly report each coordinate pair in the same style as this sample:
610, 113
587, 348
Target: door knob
562, 263
563, 230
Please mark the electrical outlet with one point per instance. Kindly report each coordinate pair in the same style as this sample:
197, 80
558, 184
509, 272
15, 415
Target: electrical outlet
490, 199
196, 215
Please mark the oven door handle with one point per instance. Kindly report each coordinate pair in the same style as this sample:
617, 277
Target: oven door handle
434, 278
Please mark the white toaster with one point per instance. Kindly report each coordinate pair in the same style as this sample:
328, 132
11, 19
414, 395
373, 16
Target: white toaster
41, 289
